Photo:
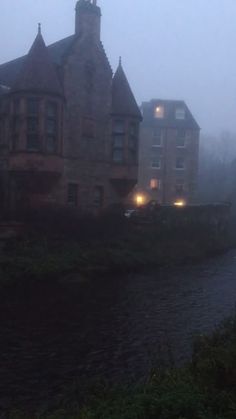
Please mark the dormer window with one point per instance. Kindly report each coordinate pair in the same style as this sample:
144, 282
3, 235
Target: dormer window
180, 113
159, 112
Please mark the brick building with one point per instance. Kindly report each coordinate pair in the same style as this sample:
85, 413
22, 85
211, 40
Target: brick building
68, 128
169, 143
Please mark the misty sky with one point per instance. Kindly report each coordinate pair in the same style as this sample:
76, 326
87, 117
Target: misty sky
173, 49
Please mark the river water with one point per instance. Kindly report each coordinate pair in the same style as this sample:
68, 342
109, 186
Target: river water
113, 328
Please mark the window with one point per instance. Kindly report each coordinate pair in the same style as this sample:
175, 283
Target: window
72, 194
33, 134
51, 127
181, 138
133, 143
119, 127
180, 113
118, 143
15, 132
180, 163
98, 196
157, 139
155, 184
33, 125
156, 162
33, 107
159, 112
118, 155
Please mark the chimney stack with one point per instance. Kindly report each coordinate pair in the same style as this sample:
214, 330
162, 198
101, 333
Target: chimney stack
88, 19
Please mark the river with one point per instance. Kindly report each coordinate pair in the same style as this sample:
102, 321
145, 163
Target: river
114, 328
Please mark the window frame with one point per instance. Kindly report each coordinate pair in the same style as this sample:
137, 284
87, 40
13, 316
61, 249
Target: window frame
159, 111
116, 148
177, 166
33, 135
51, 135
180, 110
179, 136
160, 136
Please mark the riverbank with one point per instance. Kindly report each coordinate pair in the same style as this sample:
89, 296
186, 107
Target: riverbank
116, 247
203, 389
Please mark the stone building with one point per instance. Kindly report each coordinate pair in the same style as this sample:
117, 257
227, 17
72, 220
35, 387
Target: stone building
69, 129
169, 145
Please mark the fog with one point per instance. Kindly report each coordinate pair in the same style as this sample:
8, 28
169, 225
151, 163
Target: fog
175, 49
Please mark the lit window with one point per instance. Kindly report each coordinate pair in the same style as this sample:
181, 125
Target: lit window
180, 113
72, 194
154, 184
159, 112
180, 163
157, 139
181, 138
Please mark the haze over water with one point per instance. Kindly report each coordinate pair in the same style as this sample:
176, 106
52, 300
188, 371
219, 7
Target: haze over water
174, 49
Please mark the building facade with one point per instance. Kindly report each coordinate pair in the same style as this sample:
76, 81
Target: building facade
169, 147
69, 128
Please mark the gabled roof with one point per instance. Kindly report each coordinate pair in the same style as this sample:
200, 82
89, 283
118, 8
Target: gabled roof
123, 100
10, 71
169, 120
38, 73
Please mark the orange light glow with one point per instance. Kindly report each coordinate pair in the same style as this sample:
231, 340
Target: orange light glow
179, 204
139, 200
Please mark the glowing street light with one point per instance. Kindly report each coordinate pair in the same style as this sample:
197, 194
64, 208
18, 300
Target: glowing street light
139, 200
179, 204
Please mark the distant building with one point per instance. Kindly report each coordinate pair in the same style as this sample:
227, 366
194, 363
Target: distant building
68, 128
169, 143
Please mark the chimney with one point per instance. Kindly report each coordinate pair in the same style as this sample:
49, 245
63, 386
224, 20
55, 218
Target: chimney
88, 19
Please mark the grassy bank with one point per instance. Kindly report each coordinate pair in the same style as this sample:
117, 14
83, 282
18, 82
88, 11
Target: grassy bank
204, 389
115, 247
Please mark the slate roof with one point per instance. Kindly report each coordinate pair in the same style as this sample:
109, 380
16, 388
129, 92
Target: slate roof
37, 72
123, 100
169, 119
10, 71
